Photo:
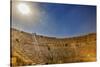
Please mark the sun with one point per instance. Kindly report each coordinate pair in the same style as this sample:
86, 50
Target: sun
23, 8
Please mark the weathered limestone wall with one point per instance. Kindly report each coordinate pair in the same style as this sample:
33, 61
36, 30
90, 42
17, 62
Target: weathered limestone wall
36, 49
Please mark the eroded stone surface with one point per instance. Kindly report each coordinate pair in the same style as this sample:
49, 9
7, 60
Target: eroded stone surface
31, 49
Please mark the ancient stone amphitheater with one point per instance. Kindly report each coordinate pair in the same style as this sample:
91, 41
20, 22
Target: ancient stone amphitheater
33, 49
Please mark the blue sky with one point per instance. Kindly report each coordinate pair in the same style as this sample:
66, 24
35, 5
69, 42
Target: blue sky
59, 20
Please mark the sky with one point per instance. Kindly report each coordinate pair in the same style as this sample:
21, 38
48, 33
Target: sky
55, 20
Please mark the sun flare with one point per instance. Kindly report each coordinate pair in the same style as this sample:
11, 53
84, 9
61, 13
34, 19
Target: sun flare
23, 8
